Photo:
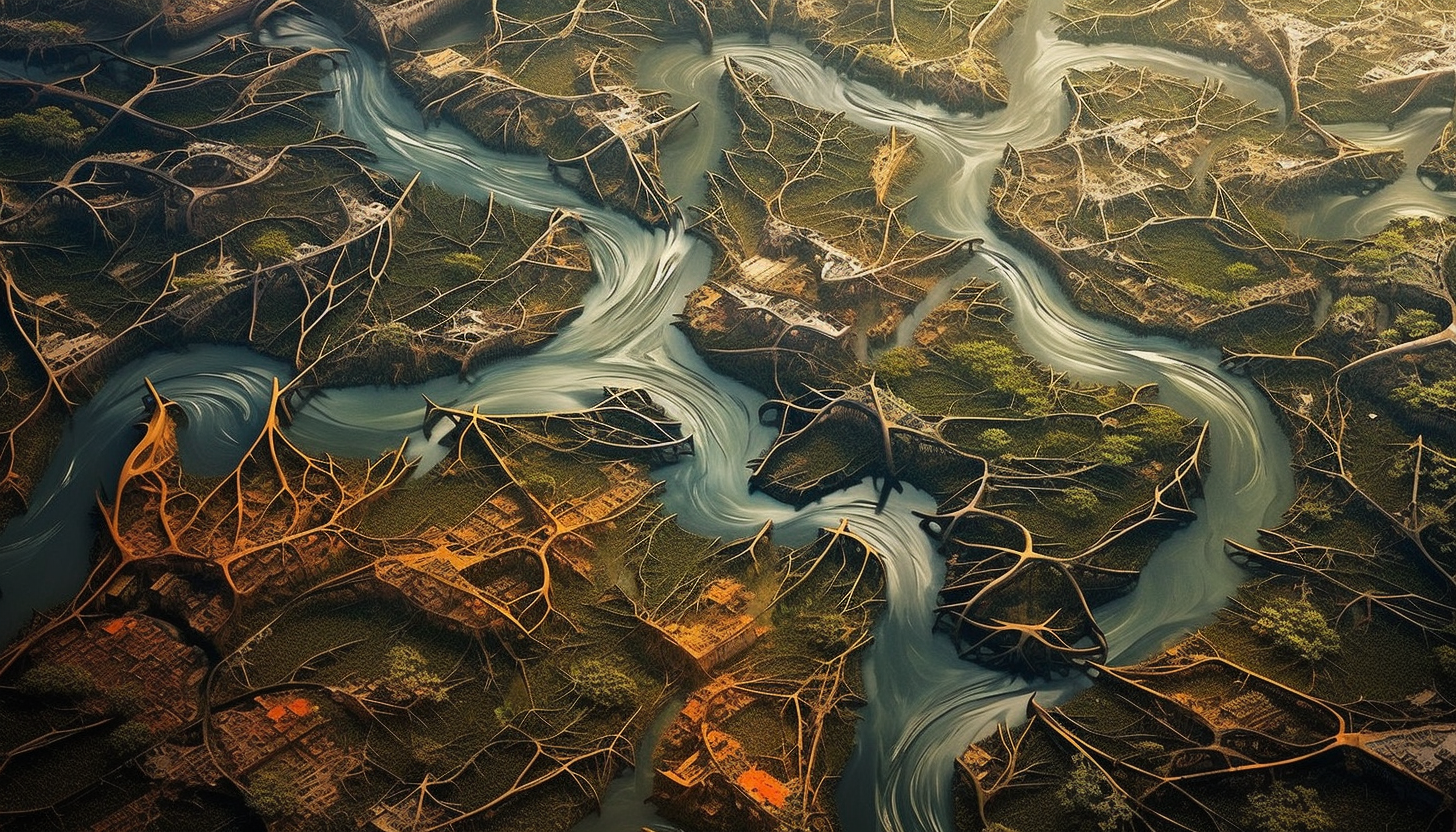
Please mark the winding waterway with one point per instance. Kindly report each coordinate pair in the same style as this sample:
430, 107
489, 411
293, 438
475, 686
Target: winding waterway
925, 705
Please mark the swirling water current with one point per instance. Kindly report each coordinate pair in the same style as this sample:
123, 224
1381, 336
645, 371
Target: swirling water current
925, 705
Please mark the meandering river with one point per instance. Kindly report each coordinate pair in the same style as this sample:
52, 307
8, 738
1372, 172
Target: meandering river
925, 705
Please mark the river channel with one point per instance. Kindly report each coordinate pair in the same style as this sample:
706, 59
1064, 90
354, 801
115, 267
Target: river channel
925, 705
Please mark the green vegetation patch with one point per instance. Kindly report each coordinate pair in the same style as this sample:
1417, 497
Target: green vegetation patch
1349, 61
1175, 220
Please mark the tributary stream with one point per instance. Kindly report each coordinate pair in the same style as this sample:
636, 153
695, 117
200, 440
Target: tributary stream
925, 704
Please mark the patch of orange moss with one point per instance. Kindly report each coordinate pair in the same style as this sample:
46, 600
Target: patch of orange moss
764, 787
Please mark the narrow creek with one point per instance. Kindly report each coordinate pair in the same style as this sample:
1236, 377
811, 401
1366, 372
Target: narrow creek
925, 705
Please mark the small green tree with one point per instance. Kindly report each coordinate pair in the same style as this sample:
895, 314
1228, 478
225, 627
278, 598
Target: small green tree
192, 281
1437, 396
129, 739
272, 245
1315, 510
1119, 449
273, 792
1353, 314
1446, 662
538, 481
408, 677
828, 633
394, 334
1080, 503
603, 684
1414, 323
994, 439
1160, 428
50, 129
1375, 257
57, 680
1148, 748
463, 265
1354, 305
1003, 368
1087, 792
899, 363
1061, 443
127, 699
1298, 626
1433, 514
1241, 274
985, 358
1288, 809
